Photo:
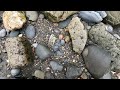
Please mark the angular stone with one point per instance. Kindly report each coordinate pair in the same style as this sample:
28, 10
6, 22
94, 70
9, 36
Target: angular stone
78, 34
13, 20
57, 16
19, 51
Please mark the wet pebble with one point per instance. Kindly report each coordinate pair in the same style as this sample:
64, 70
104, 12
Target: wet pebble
43, 52
14, 33
15, 71
55, 66
32, 15
30, 31
2, 33
73, 71
64, 23
39, 74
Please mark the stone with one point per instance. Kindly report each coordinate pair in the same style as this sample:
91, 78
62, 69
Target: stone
49, 76
103, 14
117, 36
64, 24
55, 66
34, 45
52, 40
57, 16
43, 52
113, 17
55, 48
90, 16
62, 42
15, 71
30, 32
100, 36
97, 60
2, 33
14, 33
67, 39
84, 76
39, 74
13, 20
109, 28
73, 72
78, 34
32, 15
19, 51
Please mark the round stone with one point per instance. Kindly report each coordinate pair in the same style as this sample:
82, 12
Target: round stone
32, 15
2, 33
62, 42
15, 71
55, 66
30, 31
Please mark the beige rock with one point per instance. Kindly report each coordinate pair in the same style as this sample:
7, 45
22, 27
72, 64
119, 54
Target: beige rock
19, 51
56, 16
78, 34
13, 20
113, 17
39, 74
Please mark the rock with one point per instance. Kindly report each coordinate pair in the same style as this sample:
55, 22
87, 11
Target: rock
64, 24
100, 36
113, 17
55, 48
49, 76
73, 72
97, 60
43, 51
13, 20
55, 66
106, 76
52, 40
3, 33
90, 16
57, 16
19, 51
15, 71
34, 45
62, 42
109, 28
39, 74
41, 16
103, 14
61, 36
78, 34
84, 76
57, 43
14, 33
67, 39
32, 15
30, 32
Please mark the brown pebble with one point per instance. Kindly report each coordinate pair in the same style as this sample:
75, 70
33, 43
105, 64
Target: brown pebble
61, 36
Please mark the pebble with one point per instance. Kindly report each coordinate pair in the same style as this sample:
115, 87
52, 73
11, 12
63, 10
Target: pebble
73, 71
83, 76
14, 33
59, 53
61, 36
67, 39
62, 42
64, 23
52, 39
32, 15
97, 60
55, 66
41, 16
117, 36
55, 48
39, 74
43, 52
90, 16
30, 31
2, 33
49, 76
15, 71
109, 28
57, 43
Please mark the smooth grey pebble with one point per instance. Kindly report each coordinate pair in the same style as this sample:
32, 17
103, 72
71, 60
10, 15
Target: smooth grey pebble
62, 42
90, 16
30, 31
55, 66
15, 71
103, 14
14, 33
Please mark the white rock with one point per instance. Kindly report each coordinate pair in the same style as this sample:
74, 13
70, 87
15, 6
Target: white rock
2, 33
32, 15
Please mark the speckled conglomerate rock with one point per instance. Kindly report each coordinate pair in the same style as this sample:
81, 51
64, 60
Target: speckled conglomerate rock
13, 20
57, 16
18, 51
78, 34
